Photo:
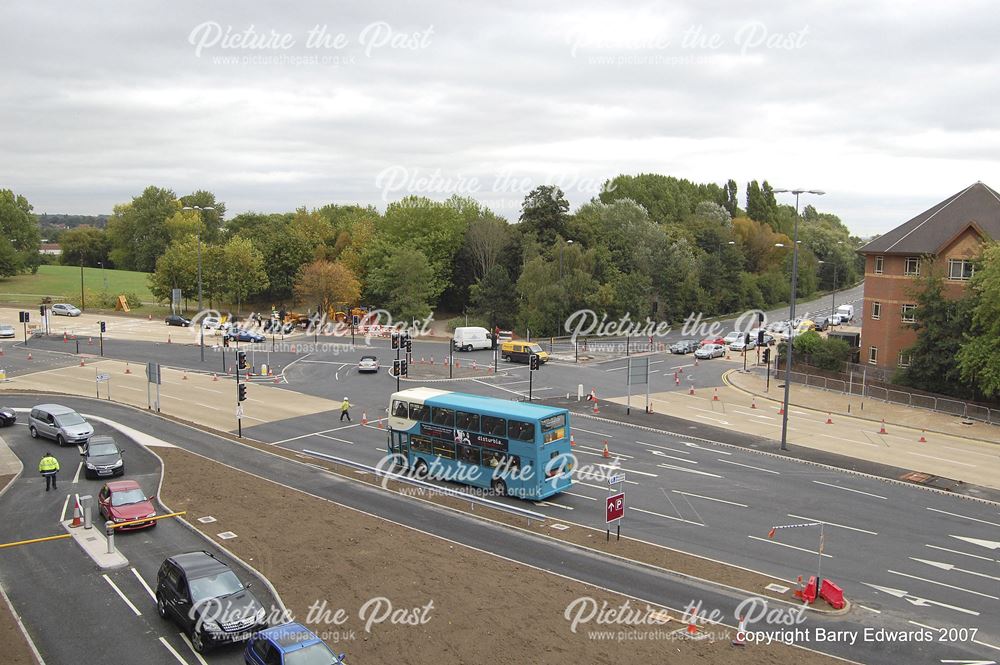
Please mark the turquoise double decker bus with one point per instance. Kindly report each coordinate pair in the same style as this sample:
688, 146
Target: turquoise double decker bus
511, 448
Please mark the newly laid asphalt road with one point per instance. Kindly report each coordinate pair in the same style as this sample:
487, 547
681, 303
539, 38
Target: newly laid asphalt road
74, 611
707, 499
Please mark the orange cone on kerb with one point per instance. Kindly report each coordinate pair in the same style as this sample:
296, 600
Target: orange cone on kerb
829, 419
882, 430
922, 438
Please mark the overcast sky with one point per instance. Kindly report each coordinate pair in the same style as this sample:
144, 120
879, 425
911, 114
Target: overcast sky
888, 106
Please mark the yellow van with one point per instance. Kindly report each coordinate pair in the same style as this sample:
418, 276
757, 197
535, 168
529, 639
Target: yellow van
518, 352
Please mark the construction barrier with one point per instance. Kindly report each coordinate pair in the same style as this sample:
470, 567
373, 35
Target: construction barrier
808, 594
832, 594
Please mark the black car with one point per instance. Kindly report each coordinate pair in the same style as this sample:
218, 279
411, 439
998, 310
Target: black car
102, 458
684, 346
7, 417
177, 320
204, 597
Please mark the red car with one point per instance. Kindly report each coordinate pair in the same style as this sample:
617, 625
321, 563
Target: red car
124, 501
713, 340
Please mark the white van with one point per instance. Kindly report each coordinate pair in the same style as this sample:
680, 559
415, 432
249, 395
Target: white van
471, 338
846, 313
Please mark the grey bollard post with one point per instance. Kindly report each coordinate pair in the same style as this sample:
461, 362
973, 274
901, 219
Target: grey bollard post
85, 502
109, 526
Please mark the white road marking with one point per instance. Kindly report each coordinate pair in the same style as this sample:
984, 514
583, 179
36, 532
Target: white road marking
974, 519
582, 496
942, 459
653, 445
750, 466
679, 459
686, 470
848, 489
327, 436
164, 642
690, 444
189, 646
949, 566
615, 369
708, 498
668, 517
870, 609
605, 436
76, 476
721, 422
974, 556
143, 583
842, 526
62, 515
491, 385
949, 586
778, 542
618, 467
844, 438
554, 505
989, 544
122, 595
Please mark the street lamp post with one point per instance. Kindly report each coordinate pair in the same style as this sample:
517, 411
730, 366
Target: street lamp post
791, 307
104, 274
200, 209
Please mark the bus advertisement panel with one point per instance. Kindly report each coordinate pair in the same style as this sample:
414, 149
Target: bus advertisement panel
510, 448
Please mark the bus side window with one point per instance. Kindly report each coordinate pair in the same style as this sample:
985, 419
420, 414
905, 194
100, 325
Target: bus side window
469, 454
400, 409
467, 421
419, 412
443, 416
494, 426
522, 431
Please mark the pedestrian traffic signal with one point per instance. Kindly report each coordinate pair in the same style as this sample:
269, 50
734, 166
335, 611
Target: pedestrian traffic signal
533, 361
104, 326
241, 391
241, 359
355, 320
41, 310
403, 369
395, 340
767, 356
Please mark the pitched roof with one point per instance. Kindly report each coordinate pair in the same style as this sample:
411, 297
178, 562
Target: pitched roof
977, 205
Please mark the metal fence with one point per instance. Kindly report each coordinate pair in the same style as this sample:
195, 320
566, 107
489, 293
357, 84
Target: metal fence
953, 407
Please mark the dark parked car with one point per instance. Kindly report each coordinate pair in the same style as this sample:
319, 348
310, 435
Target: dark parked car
241, 335
289, 644
7, 417
204, 597
684, 346
177, 320
102, 457
124, 501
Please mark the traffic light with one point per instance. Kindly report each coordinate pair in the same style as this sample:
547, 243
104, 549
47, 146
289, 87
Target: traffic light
241, 359
355, 320
225, 342
409, 344
104, 326
533, 361
760, 338
760, 318
746, 339
241, 392
41, 310
23, 317
395, 340
767, 355
403, 369
396, 367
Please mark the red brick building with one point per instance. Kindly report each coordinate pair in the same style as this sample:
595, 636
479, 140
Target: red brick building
951, 234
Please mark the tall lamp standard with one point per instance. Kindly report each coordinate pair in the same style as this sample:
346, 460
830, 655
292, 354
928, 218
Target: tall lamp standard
791, 306
200, 209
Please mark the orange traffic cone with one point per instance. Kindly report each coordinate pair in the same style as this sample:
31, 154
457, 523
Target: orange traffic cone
922, 438
90, 341
1, 350
691, 391
606, 453
677, 380
829, 419
715, 395
214, 377
277, 379
81, 362
76, 515
753, 404
596, 410
364, 418
882, 429
781, 410
29, 355
740, 633
458, 364
185, 377
380, 425
127, 370
692, 628
572, 441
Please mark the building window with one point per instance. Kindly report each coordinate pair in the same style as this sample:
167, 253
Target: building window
876, 311
872, 355
912, 266
908, 311
904, 359
960, 269
878, 264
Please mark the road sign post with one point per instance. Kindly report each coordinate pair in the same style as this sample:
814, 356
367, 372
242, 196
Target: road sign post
615, 511
103, 378
153, 377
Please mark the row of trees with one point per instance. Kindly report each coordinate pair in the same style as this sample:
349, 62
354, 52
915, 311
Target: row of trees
958, 340
19, 239
649, 245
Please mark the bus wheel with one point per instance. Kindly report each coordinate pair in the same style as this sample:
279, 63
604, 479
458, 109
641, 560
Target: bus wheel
499, 487
420, 470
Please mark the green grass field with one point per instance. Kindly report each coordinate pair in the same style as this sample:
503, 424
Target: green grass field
63, 282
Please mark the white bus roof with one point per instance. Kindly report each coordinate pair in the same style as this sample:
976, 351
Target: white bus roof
419, 394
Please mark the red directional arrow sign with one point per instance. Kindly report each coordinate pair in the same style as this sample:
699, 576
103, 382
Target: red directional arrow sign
616, 507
